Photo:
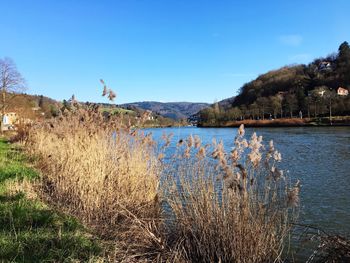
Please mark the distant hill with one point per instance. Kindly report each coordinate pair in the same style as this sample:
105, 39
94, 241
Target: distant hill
173, 110
317, 89
37, 107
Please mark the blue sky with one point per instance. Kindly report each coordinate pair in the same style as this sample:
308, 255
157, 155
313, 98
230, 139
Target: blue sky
163, 50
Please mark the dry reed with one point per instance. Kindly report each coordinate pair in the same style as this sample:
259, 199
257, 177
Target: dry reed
212, 206
103, 173
229, 207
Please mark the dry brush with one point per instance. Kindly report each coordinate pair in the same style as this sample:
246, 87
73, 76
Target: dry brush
201, 204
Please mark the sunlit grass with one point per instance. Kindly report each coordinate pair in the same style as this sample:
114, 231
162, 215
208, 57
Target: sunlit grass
30, 231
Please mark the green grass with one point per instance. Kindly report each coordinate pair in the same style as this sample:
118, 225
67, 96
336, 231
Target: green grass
117, 110
30, 231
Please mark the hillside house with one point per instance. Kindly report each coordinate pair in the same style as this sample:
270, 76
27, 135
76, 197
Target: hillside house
325, 66
149, 115
342, 92
9, 120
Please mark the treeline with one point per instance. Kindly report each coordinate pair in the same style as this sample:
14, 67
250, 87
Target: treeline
292, 91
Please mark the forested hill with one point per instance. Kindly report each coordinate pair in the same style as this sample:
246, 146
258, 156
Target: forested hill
32, 106
173, 110
308, 90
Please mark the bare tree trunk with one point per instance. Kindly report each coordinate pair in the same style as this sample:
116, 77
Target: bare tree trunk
2, 126
330, 110
263, 113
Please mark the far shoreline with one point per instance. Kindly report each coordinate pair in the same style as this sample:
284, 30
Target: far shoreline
337, 121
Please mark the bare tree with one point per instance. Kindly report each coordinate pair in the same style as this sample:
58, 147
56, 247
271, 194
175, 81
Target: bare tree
292, 103
262, 103
329, 95
11, 82
276, 104
317, 96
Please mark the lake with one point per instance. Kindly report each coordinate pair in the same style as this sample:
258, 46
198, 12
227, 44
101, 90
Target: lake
318, 156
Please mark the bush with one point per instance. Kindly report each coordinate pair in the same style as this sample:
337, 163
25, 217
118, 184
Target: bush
232, 207
103, 173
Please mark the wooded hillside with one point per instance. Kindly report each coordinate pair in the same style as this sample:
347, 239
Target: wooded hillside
298, 90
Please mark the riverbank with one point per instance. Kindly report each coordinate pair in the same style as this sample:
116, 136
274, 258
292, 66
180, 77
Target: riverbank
131, 236
284, 122
32, 231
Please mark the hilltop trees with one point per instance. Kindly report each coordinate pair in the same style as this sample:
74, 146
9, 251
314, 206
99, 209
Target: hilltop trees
343, 64
11, 82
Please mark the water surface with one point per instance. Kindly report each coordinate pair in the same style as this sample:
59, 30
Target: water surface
318, 156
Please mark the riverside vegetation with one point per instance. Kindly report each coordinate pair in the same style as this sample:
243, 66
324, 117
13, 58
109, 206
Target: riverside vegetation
138, 200
200, 204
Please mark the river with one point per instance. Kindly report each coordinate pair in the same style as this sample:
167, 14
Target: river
318, 156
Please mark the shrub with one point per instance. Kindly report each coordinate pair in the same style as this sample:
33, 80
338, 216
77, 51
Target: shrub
104, 173
229, 207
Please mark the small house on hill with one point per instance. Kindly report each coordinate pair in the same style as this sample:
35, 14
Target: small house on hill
8, 120
149, 115
325, 66
342, 92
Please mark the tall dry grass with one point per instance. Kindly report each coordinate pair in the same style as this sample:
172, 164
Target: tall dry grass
202, 204
105, 174
229, 206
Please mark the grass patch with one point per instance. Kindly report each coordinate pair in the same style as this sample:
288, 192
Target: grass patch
117, 111
30, 231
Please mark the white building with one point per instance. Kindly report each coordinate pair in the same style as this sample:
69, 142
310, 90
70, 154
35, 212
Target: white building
8, 120
342, 92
